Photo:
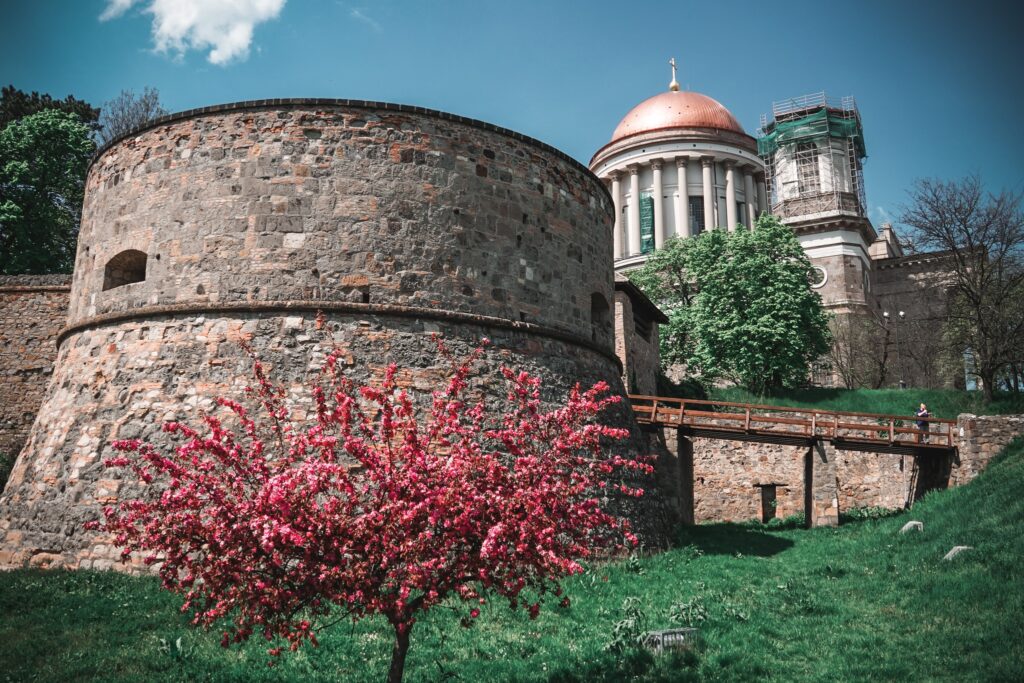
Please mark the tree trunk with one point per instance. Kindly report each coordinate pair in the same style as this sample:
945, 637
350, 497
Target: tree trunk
402, 632
987, 385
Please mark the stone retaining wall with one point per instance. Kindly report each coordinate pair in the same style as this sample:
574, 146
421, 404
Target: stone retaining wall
728, 476
33, 308
981, 438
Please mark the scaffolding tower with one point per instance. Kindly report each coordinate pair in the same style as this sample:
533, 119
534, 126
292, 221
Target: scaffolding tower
813, 151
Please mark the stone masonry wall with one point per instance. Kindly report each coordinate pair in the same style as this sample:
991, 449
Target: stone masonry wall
916, 285
981, 438
396, 222
124, 381
639, 356
727, 475
33, 308
346, 203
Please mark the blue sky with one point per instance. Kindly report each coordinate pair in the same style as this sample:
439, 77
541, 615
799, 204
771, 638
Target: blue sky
938, 83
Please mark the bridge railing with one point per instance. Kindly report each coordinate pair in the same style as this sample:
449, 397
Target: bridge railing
753, 418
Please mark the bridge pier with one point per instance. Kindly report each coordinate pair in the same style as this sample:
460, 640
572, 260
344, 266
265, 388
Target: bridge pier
681, 447
821, 497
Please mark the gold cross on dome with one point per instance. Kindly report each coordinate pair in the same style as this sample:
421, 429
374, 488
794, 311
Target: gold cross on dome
674, 85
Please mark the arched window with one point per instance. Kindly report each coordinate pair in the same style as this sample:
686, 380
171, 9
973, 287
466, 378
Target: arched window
124, 268
600, 316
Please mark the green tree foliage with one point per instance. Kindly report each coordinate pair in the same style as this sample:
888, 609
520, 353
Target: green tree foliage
667, 281
739, 306
16, 104
43, 161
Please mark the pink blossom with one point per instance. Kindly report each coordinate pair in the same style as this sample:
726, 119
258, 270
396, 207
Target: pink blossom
372, 505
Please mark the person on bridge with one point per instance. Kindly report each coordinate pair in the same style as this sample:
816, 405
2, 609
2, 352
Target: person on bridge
922, 424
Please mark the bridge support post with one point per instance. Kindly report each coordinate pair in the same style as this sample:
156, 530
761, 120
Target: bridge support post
821, 499
682, 448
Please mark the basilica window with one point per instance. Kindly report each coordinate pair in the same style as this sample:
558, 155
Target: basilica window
808, 173
646, 224
696, 215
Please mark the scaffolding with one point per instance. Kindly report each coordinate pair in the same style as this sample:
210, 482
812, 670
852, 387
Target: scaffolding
813, 151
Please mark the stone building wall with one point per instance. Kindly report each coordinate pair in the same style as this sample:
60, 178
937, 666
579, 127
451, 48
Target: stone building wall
396, 222
843, 288
33, 309
918, 285
638, 353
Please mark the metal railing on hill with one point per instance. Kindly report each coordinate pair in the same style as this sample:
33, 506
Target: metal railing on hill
863, 431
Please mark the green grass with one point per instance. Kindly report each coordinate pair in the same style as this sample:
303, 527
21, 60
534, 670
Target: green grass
856, 603
947, 403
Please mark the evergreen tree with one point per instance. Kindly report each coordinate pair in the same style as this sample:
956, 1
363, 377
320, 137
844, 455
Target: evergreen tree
43, 161
16, 104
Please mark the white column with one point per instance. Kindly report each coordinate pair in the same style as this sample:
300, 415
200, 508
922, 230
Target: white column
762, 195
617, 203
750, 201
682, 200
659, 210
709, 192
730, 195
634, 210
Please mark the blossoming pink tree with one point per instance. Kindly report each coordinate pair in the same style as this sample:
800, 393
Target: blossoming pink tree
279, 527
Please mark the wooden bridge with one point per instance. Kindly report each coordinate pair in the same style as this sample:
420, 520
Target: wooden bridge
875, 432
821, 433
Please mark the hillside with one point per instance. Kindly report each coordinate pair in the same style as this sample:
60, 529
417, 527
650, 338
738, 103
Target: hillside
945, 403
856, 603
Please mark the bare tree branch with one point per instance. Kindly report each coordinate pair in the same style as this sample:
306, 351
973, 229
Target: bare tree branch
983, 234
126, 112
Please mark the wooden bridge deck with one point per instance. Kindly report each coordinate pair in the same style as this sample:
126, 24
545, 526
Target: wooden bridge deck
873, 432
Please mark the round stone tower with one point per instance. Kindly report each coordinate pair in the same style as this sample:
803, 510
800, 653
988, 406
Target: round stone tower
241, 221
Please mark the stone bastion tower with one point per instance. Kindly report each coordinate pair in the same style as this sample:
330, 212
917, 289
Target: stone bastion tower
242, 221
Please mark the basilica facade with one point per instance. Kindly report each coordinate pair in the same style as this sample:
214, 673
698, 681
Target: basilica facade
679, 163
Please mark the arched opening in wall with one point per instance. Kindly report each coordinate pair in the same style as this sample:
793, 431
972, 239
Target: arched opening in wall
124, 268
600, 316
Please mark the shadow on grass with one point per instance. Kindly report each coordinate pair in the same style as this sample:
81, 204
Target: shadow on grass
729, 539
633, 665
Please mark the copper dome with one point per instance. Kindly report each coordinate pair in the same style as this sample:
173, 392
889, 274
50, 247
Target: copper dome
676, 109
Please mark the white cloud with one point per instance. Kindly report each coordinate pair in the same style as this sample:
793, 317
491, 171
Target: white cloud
223, 26
369, 21
116, 8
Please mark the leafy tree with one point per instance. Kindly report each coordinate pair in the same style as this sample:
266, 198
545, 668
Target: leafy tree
740, 305
16, 104
275, 522
43, 161
666, 279
983, 235
129, 111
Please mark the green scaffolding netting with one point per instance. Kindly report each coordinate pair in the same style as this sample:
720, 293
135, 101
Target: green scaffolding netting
820, 123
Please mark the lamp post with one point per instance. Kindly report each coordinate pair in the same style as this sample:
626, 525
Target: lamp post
896, 331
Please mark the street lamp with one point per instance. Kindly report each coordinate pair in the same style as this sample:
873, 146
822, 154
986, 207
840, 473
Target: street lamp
896, 330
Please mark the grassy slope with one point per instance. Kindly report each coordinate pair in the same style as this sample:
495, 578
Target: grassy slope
856, 603
941, 402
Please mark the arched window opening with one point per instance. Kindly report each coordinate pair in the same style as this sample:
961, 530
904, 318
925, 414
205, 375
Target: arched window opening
600, 316
124, 268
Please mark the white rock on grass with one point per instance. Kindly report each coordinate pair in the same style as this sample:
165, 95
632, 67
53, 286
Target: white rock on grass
912, 526
957, 549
